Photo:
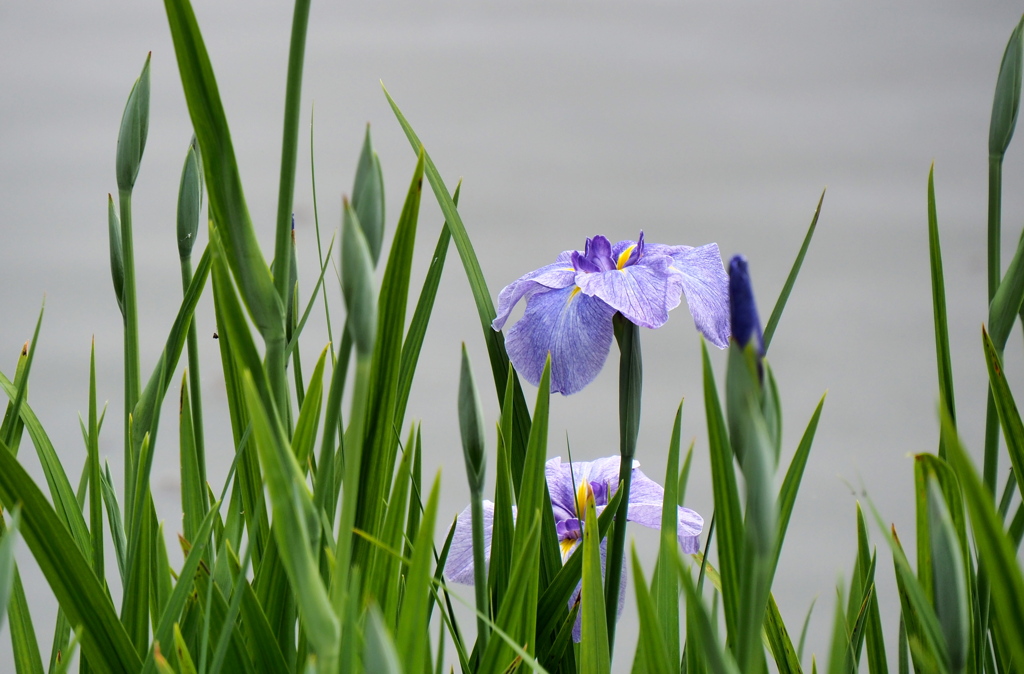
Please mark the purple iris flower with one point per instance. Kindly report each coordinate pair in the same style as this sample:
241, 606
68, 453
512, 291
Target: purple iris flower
570, 304
568, 485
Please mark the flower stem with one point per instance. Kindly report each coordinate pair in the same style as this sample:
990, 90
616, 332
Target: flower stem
196, 394
132, 378
480, 571
627, 335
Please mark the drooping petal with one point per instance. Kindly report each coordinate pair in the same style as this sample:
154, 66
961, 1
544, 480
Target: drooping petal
574, 328
705, 285
643, 292
553, 276
646, 498
458, 568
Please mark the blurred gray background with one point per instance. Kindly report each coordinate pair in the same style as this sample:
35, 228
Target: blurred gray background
695, 122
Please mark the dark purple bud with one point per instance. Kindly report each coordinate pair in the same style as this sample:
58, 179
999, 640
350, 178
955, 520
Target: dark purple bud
742, 308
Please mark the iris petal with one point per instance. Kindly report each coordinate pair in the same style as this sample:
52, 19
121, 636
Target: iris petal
458, 568
646, 498
643, 292
553, 276
574, 328
705, 285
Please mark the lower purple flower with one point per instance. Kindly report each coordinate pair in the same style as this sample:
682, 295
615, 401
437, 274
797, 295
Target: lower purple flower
567, 485
570, 304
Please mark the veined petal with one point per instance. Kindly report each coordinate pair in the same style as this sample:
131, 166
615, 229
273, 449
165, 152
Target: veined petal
563, 481
553, 276
458, 568
705, 285
643, 292
560, 489
646, 498
574, 328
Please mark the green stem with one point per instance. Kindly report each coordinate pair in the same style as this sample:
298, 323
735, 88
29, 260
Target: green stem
132, 380
995, 198
995, 192
480, 571
289, 150
630, 385
196, 394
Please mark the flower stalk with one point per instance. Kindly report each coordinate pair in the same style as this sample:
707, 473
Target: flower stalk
627, 334
472, 431
131, 142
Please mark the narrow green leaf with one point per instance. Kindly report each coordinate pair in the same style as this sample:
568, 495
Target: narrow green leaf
146, 415
357, 283
293, 513
717, 659
95, 479
413, 624
787, 288
518, 614
561, 588
923, 630
478, 285
1006, 304
193, 507
874, 637
227, 202
652, 643
840, 659
61, 491
185, 662
420, 319
380, 654
380, 400
238, 352
385, 574
791, 483
996, 548
596, 655
665, 584
942, 356
67, 570
503, 525
731, 535
786, 658
1009, 417
263, 646
803, 630
114, 520
166, 627
950, 582
309, 415
283, 241
7, 566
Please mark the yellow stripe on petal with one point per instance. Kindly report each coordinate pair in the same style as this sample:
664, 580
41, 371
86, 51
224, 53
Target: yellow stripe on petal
624, 257
574, 293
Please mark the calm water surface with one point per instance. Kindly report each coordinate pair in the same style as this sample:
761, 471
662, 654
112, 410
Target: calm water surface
694, 122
